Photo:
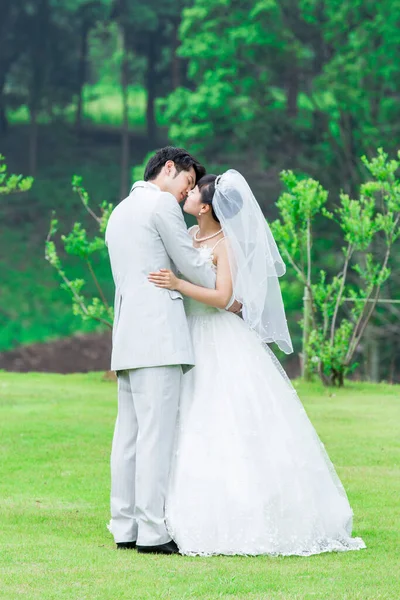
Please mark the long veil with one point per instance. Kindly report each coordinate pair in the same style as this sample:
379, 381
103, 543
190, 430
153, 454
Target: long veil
254, 259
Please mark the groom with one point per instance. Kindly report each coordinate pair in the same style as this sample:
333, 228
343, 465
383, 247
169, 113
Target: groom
151, 344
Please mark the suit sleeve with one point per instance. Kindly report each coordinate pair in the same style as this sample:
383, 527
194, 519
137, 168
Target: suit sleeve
172, 229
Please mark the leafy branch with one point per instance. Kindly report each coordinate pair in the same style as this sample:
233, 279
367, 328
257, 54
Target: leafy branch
77, 243
12, 184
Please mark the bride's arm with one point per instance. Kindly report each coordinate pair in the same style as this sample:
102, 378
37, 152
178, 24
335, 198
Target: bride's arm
219, 298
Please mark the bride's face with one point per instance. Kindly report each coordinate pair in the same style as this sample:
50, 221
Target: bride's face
193, 202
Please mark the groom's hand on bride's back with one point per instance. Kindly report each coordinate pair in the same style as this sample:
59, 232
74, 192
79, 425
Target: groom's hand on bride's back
236, 307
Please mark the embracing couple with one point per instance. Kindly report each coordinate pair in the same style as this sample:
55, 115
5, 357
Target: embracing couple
213, 452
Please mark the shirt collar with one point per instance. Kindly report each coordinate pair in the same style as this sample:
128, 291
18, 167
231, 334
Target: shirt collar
144, 184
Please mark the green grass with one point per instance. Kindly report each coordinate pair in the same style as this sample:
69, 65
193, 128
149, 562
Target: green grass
102, 106
55, 436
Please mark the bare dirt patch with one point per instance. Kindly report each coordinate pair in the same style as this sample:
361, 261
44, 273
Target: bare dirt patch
77, 354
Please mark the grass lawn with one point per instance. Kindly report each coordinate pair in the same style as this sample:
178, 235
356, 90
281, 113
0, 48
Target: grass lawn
55, 436
102, 106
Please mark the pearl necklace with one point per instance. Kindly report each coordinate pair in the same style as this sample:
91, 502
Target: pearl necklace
206, 238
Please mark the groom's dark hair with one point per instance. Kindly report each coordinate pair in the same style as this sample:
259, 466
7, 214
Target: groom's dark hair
182, 159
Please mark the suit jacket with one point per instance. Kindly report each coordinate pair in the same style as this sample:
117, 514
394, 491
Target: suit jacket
147, 232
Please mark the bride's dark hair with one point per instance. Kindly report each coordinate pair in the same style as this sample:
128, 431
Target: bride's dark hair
207, 191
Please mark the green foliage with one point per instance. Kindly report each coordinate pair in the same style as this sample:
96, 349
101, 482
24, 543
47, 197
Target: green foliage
369, 227
138, 170
78, 243
233, 102
260, 86
10, 184
298, 207
281, 82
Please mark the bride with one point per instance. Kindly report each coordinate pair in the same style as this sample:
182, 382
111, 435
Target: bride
250, 475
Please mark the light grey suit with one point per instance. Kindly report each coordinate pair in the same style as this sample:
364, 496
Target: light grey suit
151, 346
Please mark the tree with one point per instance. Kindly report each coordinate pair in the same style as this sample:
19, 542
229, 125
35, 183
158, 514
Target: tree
12, 44
88, 14
244, 87
370, 226
146, 31
291, 84
361, 74
152, 32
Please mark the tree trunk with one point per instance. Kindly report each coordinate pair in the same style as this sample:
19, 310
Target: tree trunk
3, 115
83, 51
346, 127
33, 142
176, 60
39, 73
392, 368
125, 120
307, 326
151, 90
371, 356
292, 89
3, 118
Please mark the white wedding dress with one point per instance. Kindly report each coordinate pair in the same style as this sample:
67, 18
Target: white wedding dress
250, 475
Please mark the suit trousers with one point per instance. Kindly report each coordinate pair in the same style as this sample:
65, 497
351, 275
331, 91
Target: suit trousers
148, 401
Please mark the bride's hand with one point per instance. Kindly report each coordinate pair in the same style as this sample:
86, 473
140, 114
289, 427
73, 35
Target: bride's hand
164, 278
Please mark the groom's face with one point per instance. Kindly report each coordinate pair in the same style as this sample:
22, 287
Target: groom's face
180, 184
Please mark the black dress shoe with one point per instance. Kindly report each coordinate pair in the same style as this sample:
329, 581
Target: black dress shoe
168, 548
126, 545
